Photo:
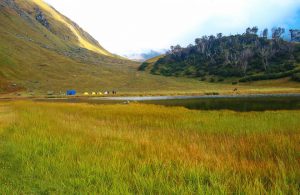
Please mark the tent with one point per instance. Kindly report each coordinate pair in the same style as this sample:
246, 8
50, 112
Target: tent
71, 92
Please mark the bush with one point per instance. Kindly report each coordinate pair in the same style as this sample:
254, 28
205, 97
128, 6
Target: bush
212, 80
220, 79
289, 65
296, 77
234, 83
203, 79
269, 76
200, 73
143, 66
212, 93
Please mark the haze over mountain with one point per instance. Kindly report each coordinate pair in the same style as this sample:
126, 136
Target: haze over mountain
140, 57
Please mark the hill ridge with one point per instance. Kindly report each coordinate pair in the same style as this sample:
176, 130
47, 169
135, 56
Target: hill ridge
82, 41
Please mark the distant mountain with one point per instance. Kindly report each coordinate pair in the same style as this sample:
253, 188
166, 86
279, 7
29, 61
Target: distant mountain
145, 56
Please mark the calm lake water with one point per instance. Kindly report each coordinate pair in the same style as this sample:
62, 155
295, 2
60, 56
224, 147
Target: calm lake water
236, 103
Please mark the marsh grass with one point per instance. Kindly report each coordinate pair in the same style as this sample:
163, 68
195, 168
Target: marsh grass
147, 149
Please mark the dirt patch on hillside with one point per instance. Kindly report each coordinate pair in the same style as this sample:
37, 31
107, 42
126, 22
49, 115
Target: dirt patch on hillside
8, 87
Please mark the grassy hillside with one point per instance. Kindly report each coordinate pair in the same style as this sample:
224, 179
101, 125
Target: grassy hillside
36, 58
61, 26
32, 53
146, 149
40, 59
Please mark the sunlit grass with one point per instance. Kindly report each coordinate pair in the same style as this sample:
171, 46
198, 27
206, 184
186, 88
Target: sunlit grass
83, 42
6, 116
136, 148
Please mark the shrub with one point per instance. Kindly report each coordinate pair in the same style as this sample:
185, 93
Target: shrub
212, 80
269, 76
200, 73
234, 83
296, 77
212, 93
143, 66
289, 65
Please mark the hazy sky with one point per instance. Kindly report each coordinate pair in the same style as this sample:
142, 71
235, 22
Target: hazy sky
128, 26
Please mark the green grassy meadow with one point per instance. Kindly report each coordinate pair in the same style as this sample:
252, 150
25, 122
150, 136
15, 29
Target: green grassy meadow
58, 148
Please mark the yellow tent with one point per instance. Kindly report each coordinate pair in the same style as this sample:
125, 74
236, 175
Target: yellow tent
86, 93
99, 93
93, 93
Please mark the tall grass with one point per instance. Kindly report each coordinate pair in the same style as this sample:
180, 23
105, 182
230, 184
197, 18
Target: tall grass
146, 149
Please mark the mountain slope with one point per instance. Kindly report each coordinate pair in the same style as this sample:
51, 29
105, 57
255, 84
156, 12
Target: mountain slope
84, 39
57, 24
39, 53
37, 50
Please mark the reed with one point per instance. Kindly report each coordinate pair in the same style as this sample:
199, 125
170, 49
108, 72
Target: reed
146, 149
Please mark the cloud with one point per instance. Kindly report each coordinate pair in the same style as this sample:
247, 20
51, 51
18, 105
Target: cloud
129, 26
232, 17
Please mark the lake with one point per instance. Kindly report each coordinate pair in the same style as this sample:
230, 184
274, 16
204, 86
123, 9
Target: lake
243, 103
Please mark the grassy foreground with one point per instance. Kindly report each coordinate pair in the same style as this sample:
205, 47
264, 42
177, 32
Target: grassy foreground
146, 149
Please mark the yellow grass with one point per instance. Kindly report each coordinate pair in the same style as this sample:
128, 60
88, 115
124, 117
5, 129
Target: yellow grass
148, 149
83, 42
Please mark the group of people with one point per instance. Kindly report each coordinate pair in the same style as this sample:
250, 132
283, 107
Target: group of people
100, 93
107, 92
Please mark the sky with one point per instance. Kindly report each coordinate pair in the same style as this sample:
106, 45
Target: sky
135, 26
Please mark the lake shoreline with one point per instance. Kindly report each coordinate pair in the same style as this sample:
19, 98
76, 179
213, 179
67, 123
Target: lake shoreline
154, 97
149, 98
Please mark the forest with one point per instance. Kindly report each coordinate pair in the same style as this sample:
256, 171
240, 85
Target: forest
248, 56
